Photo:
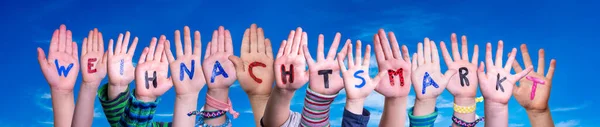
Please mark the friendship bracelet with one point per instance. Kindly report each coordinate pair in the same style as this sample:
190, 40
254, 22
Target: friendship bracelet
200, 123
463, 123
227, 107
422, 121
467, 109
208, 114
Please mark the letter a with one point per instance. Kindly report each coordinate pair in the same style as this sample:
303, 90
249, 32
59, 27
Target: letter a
428, 81
287, 73
188, 71
62, 68
356, 75
217, 70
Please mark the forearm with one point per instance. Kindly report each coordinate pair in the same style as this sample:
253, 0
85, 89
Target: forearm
394, 112
278, 108
496, 114
464, 102
183, 105
115, 89
63, 107
258, 103
221, 95
424, 106
84, 110
540, 118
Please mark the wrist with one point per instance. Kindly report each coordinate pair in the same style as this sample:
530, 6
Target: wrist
424, 106
187, 96
283, 93
90, 85
219, 94
61, 91
145, 98
355, 105
536, 113
464, 101
259, 97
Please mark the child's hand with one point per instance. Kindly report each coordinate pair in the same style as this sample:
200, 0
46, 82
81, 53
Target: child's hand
357, 82
463, 84
533, 91
325, 67
219, 70
151, 76
397, 81
290, 72
186, 69
428, 81
497, 83
61, 67
93, 61
120, 66
255, 67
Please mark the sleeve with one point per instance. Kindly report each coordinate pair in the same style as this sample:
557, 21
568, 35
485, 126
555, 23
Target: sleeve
355, 120
316, 109
422, 121
140, 114
113, 109
292, 121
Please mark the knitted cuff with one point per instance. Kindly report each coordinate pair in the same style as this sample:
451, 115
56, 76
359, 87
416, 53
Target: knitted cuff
316, 109
140, 113
422, 121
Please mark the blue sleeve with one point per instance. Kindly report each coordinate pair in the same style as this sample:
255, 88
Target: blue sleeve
355, 120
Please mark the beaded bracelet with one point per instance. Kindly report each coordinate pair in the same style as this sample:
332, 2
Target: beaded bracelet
463, 123
208, 114
200, 123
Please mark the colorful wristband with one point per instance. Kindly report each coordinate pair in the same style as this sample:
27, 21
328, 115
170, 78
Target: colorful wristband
463, 123
225, 106
208, 114
467, 109
200, 123
422, 121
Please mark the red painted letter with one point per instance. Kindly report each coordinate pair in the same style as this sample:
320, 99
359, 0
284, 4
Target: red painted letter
252, 65
91, 64
399, 73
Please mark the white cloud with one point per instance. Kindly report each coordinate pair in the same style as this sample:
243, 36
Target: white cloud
440, 117
516, 125
569, 123
47, 122
248, 111
46, 96
97, 114
375, 100
444, 103
563, 109
165, 115
373, 61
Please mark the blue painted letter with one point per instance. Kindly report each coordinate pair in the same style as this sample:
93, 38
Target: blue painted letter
356, 75
62, 68
217, 70
184, 68
428, 81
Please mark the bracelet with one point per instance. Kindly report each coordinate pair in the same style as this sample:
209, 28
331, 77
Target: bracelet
200, 123
208, 114
225, 106
425, 121
463, 123
467, 109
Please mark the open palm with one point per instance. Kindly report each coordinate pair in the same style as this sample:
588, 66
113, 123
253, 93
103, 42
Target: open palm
216, 58
357, 82
256, 60
467, 87
529, 96
429, 82
120, 66
154, 65
186, 81
497, 82
93, 58
291, 58
61, 67
397, 65
325, 66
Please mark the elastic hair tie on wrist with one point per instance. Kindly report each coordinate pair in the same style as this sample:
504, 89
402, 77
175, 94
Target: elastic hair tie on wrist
227, 107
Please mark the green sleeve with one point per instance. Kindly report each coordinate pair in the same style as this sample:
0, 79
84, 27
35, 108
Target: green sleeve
113, 109
141, 114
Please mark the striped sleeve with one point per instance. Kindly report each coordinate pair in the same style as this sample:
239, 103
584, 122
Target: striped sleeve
141, 114
113, 109
316, 109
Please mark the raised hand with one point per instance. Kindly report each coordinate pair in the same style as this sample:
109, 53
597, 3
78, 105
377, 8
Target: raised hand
325, 73
463, 84
94, 58
397, 65
186, 69
290, 72
497, 83
61, 67
357, 82
255, 67
220, 72
120, 66
151, 72
533, 91
428, 80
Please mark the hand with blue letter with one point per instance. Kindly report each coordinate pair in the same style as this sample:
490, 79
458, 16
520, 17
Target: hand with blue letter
357, 82
120, 66
186, 70
62, 65
219, 70
151, 77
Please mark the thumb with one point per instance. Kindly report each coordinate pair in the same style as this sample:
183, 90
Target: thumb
449, 74
237, 62
42, 59
377, 78
105, 58
481, 75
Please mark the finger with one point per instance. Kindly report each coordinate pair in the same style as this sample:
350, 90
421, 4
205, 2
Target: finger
475, 54
197, 44
405, 53
168, 52
221, 39
516, 66
125, 43
101, 43
345, 48
420, 59
110, 47
95, 40
269, 48
435, 56
84, 47
164, 57
119, 45
488, 56
510, 60
297, 41
358, 53
541, 62
385, 43
525, 54
309, 58
414, 62
379, 55
187, 41
105, 58
133, 46
215, 43
340, 60
62, 38
246, 42
465, 48
445, 53
160, 48
238, 63
367, 60
550, 70
290, 40
74, 48
253, 38
261, 40
481, 74
350, 57
208, 50
178, 47
143, 56
522, 74
320, 49
42, 59
449, 74
499, 52
395, 46
304, 41
334, 46
69, 50
282, 47
54, 42
378, 78
228, 42
455, 52
150, 55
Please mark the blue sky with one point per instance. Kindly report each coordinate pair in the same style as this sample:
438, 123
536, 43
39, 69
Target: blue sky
566, 29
